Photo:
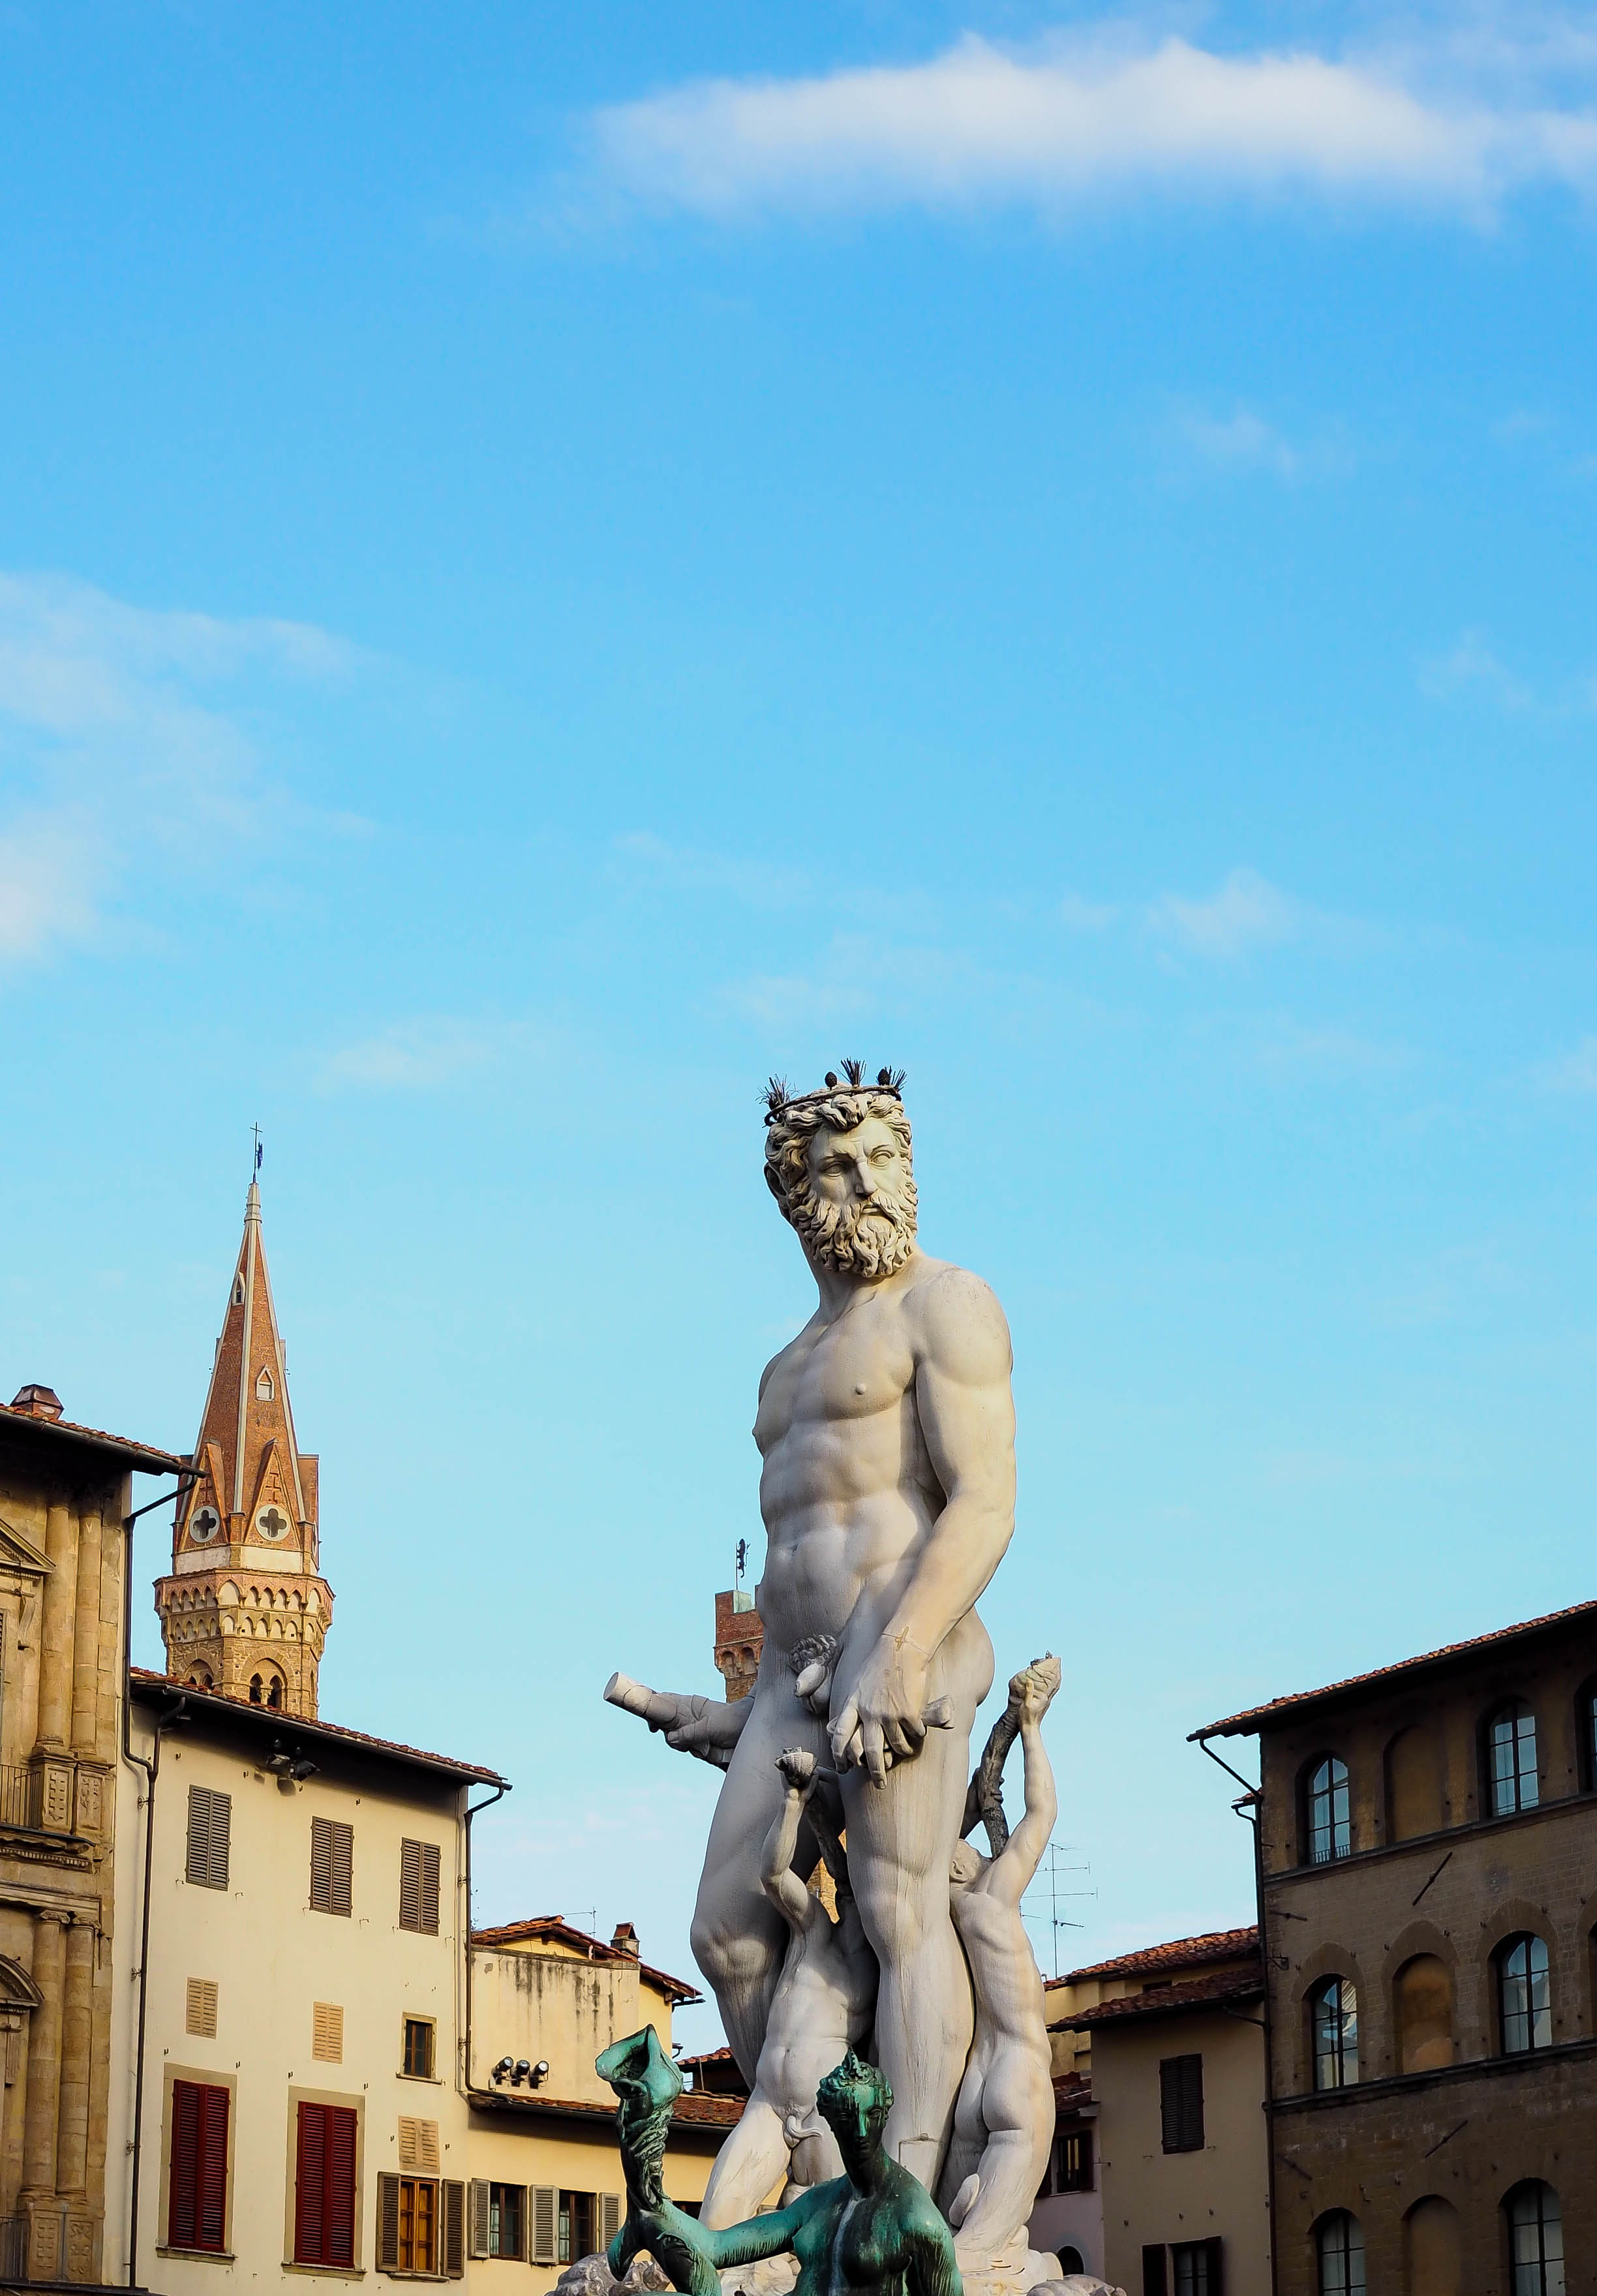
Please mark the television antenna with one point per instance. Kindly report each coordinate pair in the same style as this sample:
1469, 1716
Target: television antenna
1043, 1900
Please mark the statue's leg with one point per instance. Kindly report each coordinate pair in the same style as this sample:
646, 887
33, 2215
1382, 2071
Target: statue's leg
901, 1836
1017, 2107
748, 2165
738, 1938
969, 2136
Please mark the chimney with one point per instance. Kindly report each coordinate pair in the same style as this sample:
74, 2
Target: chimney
625, 1940
36, 1402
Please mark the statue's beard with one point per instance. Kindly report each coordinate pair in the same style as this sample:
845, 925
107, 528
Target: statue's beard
872, 1238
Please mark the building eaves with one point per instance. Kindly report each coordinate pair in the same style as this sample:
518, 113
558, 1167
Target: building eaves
1225, 1986
150, 1689
66, 1434
691, 2108
1277, 1712
556, 1927
1181, 1953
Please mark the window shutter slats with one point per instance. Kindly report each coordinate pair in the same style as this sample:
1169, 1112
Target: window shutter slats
210, 1825
340, 2202
454, 2229
479, 2215
200, 2009
327, 2032
387, 2224
331, 1864
610, 2219
418, 1862
310, 2180
197, 2172
418, 2146
545, 2200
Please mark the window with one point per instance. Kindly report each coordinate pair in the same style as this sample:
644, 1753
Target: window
418, 1886
499, 2220
1197, 2267
1073, 2161
200, 2009
210, 1823
1070, 2259
332, 1863
1524, 1996
1536, 2241
543, 2211
574, 2234
1330, 1819
416, 2059
267, 1689
1511, 1747
1333, 2017
417, 2250
197, 2180
1181, 2103
1423, 2000
325, 2210
1154, 2281
327, 2032
264, 1388
420, 2225
1341, 2246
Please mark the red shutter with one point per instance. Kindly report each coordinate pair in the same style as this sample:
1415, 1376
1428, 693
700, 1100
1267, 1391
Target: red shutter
212, 2227
182, 2173
324, 2185
197, 2173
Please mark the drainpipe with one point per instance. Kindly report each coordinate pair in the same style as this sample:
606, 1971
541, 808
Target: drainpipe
463, 2062
1248, 1808
150, 1768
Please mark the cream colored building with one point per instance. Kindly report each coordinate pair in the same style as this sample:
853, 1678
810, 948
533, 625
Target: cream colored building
1176, 2076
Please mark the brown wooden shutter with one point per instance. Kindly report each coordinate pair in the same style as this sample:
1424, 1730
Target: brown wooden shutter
327, 2032
478, 2219
430, 1888
200, 2014
387, 2224
610, 2219
454, 2229
211, 1824
418, 2146
1181, 2103
418, 1886
331, 1864
545, 2210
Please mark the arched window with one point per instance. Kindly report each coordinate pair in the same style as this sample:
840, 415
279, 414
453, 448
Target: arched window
264, 1387
1070, 2260
1511, 1754
199, 1677
255, 1690
1524, 1996
1330, 1820
1341, 2246
275, 1691
1413, 1785
1423, 2000
1433, 2249
1536, 2241
1333, 2024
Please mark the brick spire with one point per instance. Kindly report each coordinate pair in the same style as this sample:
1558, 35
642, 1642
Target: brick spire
245, 1609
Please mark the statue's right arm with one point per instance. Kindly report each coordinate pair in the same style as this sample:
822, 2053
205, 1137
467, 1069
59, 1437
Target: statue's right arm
789, 1895
693, 1724
764, 2235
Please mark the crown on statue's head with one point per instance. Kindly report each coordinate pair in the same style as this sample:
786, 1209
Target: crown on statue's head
779, 1100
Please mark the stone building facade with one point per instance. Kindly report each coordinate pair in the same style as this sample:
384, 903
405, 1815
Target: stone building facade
245, 1609
1427, 1851
65, 1496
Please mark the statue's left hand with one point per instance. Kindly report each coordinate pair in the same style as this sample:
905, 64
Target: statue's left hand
883, 1719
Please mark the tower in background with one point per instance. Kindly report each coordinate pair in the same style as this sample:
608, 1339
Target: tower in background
245, 1609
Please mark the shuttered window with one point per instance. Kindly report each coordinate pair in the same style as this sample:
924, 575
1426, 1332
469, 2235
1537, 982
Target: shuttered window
324, 2207
210, 1823
416, 2062
610, 2219
545, 2206
331, 1864
327, 2032
454, 2229
413, 2205
498, 2219
418, 1886
418, 2144
200, 2013
197, 2178
1181, 2103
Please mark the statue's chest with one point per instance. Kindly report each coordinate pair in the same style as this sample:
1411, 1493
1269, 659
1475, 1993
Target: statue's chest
864, 2252
853, 1369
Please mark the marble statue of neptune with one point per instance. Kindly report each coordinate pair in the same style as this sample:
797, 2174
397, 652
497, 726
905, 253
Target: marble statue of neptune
886, 1430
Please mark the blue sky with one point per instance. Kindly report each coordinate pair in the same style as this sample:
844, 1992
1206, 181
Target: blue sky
555, 560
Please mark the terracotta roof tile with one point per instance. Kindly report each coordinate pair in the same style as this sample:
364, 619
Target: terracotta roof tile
144, 1456
691, 2107
147, 1686
1168, 2000
555, 1926
1283, 1710
1181, 1953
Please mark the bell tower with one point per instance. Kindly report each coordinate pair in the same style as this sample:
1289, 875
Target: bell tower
245, 1609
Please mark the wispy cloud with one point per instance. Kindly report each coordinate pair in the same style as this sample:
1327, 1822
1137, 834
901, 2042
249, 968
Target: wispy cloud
1078, 915
419, 1055
1470, 669
1244, 441
1247, 914
1104, 112
693, 869
1576, 1072
124, 729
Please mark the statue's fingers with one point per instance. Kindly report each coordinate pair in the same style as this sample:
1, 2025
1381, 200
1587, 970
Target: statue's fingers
896, 1734
873, 1752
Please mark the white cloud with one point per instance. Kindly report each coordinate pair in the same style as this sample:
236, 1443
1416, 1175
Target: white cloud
1047, 124
1247, 914
419, 1056
124, 729
1083, 916
1472, 669
692, 869
1244, 441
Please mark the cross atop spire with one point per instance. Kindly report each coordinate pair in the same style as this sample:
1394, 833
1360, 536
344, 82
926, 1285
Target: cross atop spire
245, 1544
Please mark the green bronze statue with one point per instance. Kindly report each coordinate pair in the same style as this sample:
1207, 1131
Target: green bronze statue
873, 2231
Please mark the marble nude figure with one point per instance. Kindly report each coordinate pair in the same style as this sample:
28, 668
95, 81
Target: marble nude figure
886, 1430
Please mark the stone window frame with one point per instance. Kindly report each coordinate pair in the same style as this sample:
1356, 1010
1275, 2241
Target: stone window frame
207, 2077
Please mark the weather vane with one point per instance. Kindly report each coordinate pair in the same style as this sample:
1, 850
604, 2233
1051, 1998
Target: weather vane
259, 1151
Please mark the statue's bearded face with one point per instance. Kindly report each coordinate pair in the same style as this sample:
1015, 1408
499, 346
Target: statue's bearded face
854, 1209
